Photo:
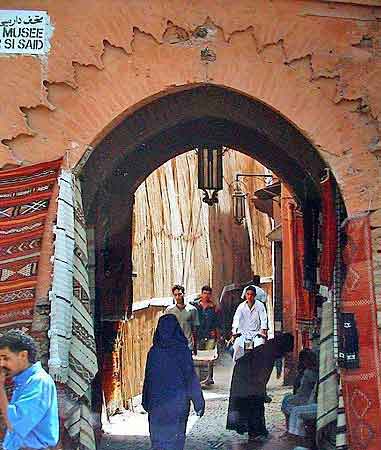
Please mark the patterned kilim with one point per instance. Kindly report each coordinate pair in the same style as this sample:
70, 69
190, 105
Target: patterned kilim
329, 233
331, 430
341, 428
73, 359
328, 391
24, 200
362, 386
338, 275
305, 303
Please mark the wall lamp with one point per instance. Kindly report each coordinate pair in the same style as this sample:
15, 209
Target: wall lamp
239, 196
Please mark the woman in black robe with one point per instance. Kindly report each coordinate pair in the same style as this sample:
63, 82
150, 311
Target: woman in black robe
251, 373
170, 384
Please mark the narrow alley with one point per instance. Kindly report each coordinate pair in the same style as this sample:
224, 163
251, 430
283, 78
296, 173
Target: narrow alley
129, 431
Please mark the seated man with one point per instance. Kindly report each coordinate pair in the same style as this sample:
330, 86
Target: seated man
300, 408
299, 416
305, 382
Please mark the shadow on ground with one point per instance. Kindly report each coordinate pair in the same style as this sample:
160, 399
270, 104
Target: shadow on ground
129, 431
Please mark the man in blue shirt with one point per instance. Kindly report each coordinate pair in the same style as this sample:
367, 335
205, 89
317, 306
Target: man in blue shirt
32, 414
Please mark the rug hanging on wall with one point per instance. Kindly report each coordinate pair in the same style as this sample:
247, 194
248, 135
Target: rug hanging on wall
328, 389
25, 194
305, 300
362, 383
72, 353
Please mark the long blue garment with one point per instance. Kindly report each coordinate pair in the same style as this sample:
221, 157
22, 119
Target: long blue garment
170, 384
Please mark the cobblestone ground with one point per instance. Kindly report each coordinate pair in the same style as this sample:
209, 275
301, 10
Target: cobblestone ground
129, 431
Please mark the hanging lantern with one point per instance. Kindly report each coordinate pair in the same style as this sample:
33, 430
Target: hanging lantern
210, 173
239, 205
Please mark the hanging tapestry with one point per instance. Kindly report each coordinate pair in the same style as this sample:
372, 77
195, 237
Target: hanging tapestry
305, 300
24, 200
329, 233
341, 427
311, 227
25, 194
72, 358
328, 389
337, 284
361, 386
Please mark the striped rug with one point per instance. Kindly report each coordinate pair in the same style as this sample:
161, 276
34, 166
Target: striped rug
24, 200
72, 358
25, 194
328, 395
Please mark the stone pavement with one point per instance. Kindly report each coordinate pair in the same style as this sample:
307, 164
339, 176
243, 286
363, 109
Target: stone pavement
129, 431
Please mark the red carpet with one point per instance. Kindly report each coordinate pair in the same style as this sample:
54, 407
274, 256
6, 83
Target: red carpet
305, 300
24, 200
329, 234
362, 386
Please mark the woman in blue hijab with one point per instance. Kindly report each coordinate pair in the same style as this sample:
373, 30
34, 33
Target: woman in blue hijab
170, 384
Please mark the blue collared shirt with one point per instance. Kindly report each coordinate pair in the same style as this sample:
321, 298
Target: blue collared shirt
33, 411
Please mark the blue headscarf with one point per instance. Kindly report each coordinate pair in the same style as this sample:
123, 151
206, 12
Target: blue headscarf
169, 334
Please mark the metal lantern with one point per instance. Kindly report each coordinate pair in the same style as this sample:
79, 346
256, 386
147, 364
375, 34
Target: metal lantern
239, 197
239, 205
210, 172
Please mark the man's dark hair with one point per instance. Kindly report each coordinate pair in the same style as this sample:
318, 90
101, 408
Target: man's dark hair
256, 280
17, 341
206, 288
179, 288
251, 288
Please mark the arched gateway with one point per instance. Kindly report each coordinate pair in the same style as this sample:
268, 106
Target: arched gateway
130, 97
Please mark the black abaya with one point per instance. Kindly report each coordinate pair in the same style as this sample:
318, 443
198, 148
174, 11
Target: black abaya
246, 412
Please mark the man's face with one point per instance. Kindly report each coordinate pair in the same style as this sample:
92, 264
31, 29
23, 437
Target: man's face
12, 363
250, 296
206, 296
179, 296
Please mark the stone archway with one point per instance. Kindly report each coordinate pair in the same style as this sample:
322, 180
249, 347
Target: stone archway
170, 125
166, 127
156, 133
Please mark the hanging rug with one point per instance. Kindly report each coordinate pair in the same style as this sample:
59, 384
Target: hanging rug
25, 194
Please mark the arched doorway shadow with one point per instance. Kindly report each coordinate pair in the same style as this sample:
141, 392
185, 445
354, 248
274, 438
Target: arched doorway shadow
177, 122
174, 124
154, 134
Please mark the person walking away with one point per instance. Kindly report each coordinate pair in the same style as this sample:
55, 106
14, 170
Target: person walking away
186, 315
249, 328
246, 411
170, 384
208, 332
31, 416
